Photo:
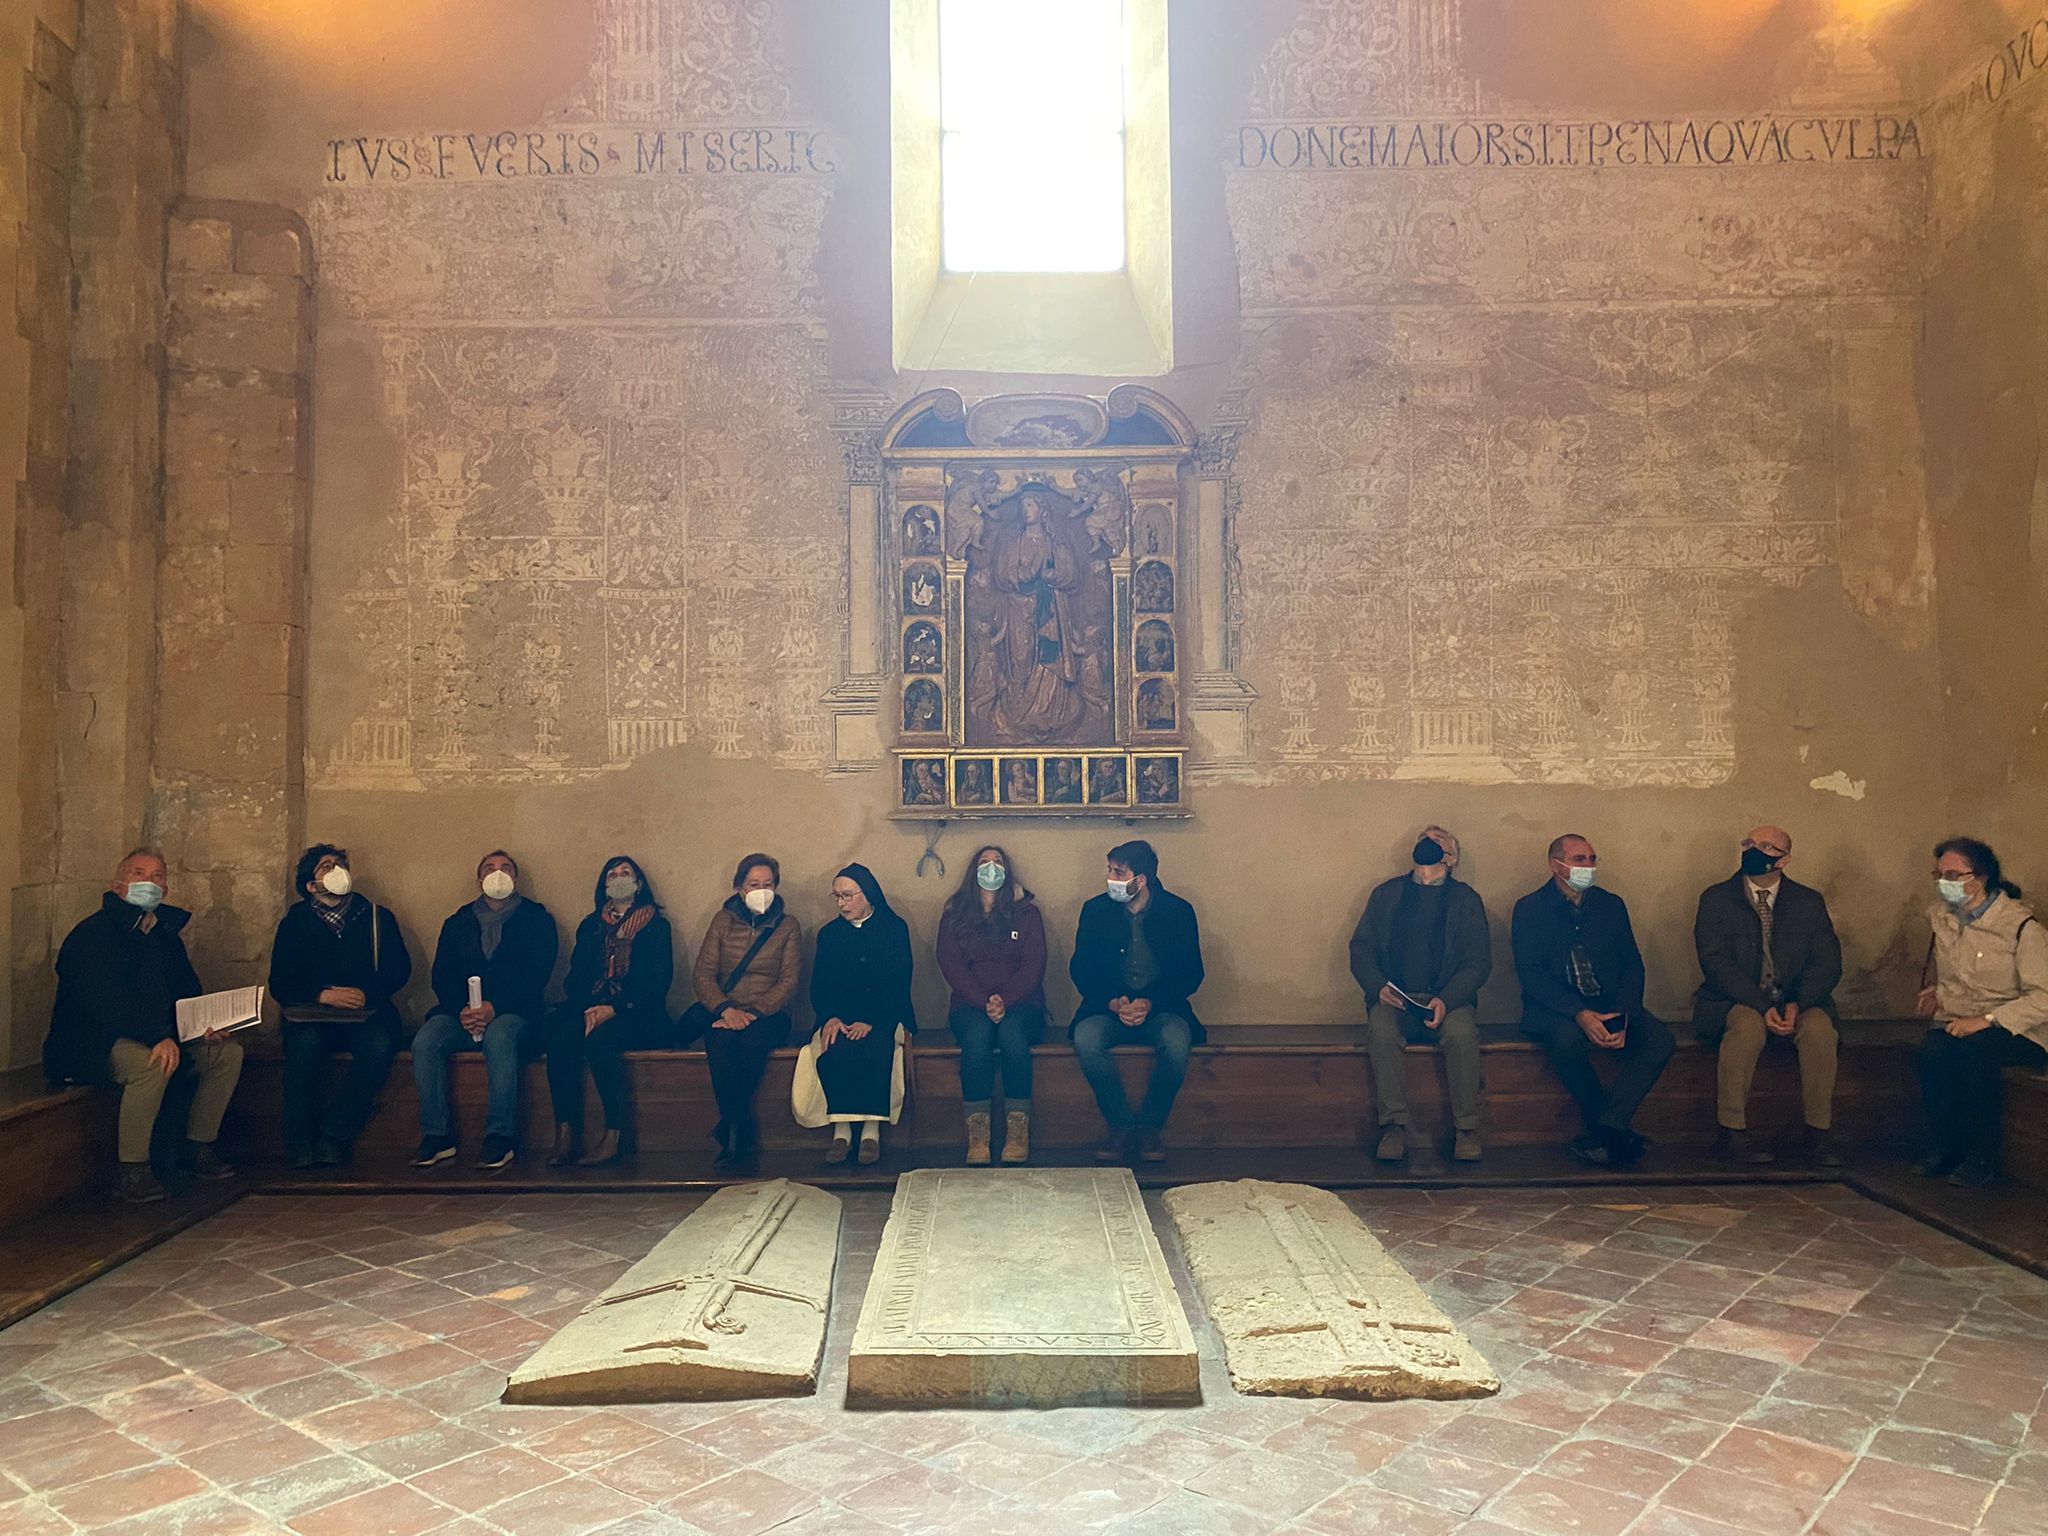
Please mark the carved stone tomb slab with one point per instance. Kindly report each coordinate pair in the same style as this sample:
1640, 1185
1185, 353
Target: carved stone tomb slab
730, 1304
1308, 1302
1016, 1288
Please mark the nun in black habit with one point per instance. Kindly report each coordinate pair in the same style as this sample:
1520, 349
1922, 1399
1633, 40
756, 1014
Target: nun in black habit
860, 995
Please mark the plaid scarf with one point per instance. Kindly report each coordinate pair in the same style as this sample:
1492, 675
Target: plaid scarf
618, 943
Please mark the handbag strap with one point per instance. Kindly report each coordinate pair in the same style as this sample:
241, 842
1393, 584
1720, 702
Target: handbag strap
747, 959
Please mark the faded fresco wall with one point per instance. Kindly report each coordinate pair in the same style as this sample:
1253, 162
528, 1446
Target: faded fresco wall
1984, 392
1566, 422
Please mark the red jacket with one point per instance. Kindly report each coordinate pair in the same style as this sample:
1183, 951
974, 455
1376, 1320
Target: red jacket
1009, 964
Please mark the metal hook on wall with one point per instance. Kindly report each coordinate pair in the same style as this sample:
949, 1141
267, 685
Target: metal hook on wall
934, 831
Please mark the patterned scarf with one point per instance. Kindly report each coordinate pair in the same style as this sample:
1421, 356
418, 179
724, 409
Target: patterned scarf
618, 944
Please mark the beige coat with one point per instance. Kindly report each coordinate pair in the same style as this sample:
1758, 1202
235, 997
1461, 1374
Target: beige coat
1997, 965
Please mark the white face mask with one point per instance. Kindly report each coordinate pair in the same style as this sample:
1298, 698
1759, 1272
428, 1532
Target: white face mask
337, 881
759, 900
1580, 877
621, 888
1120, 890
1954, 892
498, 885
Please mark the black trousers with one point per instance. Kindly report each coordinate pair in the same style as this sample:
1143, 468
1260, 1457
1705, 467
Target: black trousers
739, 1059
1962, 1087
1645, 1053
603, 1051
372, 1046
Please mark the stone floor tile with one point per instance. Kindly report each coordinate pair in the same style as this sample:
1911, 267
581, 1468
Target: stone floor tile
392, 1510
310, 1485
1941, 1497
589, 1440
1363, 1510
406, 1456
743, 1503
1093, 1494
1556, 1506
662, 1469
1456, 1483
103, 1500
205, 1514
1003, 1463
566, 1508
489, 1477
1740, 1501
1671, 1434
1611, 1467
1497, 1437
365, 1422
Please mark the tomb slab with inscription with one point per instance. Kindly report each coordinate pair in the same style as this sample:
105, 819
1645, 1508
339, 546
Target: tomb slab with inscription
1020, 1288
731, 1304
1309, 1303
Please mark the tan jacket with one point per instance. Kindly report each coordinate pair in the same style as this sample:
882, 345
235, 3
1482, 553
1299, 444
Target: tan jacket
770, 982
1997, 965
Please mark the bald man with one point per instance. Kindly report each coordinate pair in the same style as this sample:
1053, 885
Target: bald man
1771, 961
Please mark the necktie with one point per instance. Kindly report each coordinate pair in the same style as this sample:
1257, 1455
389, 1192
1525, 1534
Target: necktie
1770, 968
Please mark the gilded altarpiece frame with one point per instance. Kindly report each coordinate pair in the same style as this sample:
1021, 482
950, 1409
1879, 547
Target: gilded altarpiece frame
1033, 551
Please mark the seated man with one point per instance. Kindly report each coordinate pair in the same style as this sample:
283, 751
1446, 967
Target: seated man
335, 965
120, 975
1582, 991
1771, 960
1424, 934
507, 943
1137, 960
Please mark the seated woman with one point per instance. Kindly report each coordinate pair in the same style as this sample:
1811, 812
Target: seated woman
1989, 1001
992, 953
851, 1073
614, 1000
745, 977
335, 966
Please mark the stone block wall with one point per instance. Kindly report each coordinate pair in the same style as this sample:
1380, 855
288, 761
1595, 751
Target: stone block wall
228, 786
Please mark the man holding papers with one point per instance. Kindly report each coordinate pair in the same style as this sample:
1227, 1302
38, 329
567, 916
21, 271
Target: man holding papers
120, 977
1421, 952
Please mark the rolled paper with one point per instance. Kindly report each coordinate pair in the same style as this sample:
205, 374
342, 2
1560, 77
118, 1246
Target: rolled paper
476, 991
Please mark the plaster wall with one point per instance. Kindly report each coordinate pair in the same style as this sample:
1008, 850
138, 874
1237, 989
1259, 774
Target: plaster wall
1571, 419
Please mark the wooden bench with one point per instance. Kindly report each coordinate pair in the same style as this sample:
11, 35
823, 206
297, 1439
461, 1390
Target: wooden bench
1250, 1086
57, 1142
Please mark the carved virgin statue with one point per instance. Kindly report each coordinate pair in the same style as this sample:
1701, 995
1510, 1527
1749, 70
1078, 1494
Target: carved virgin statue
1038, 621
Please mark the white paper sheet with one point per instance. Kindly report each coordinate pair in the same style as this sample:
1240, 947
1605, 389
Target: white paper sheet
239, 1008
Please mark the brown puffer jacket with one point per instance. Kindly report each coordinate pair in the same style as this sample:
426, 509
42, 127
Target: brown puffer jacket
770, 982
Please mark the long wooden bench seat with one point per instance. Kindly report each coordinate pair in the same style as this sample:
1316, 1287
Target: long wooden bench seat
53, 1142
1250, 1086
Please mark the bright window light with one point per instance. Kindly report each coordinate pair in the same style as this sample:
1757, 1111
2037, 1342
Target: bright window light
1032, 109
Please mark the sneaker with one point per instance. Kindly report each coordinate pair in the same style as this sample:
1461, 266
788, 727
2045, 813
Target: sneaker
137, 1185
1588, 1148
1151, 1145
329, 1154
497, 1153
1112, 1147
1017, 1137
434, 1149
1393, 1146
1821, 1149
1466, 1149
1974, 1173
1937, 1165
1733, 1146
205, 1163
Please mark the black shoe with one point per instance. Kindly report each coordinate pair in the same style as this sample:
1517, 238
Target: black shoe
1733, 1146
731, 1147
1151, 1145
202, 1162
329, 1154
1821, 1149
1113, 1148
1975, 1173
434, 1149
137, 1185
497, 1153
568, 1146
1625, 1149
299, 1158
1938, 1164
1589, 1148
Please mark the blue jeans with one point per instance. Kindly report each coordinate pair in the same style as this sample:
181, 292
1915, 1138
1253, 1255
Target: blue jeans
1170, 1035
980, 1040
441, 1037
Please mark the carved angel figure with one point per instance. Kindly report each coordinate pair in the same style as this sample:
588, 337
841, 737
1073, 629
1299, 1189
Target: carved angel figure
967, 510
1109, 505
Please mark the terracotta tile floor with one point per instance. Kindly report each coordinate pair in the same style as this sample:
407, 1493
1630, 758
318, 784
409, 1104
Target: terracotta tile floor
1677, 1363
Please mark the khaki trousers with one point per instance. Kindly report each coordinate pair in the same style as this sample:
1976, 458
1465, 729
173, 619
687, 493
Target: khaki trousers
1815, 1039
1388, 1031
218, 1067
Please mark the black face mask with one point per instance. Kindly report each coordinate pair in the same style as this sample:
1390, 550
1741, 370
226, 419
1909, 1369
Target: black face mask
1428, 851
1756, 862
